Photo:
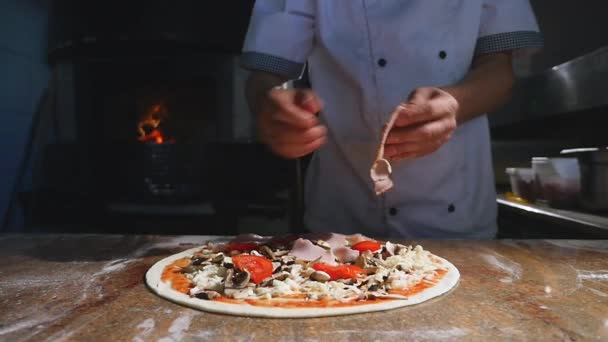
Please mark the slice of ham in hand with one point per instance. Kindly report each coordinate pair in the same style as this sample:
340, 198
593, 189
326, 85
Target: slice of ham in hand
381, 170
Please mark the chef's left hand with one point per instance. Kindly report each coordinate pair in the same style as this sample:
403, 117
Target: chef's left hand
425, 122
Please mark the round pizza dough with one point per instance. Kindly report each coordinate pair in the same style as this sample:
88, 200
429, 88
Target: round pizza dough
153, 279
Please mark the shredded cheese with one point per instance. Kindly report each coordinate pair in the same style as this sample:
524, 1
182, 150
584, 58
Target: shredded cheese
407, 268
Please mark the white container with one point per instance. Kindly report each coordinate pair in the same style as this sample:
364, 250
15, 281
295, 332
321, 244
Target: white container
522, 182
558, 180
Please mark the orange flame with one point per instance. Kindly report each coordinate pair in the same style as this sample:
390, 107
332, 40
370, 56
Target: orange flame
148, 127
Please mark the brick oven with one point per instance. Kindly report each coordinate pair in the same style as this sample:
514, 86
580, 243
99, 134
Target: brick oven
147, 125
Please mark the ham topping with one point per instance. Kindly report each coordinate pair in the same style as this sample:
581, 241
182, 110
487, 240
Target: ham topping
353, 239
345, 254
306, 250
381, 169
334, 240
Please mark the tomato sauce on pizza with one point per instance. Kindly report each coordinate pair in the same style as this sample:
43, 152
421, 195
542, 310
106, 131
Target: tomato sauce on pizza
320, 271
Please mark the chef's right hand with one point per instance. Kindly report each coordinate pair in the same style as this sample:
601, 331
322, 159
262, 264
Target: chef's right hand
287, 122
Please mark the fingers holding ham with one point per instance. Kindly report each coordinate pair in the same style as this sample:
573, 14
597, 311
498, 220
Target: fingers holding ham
382, 169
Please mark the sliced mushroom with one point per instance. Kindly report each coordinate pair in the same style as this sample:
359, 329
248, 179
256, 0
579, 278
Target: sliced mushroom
371, 270
353, 297
280, 253
390, 248
379, 263
373, 295
218, 259
401, 249
207, 295
370, 285
374, 287
228, 283
236, 280
198, 259
187, 269
230, 293
312, 262
349, 281
361, 261
241, 279
320, 276
268, 252
306, 272
367, 260
222, 271
190, 269
278, 276
364, 259
288, 260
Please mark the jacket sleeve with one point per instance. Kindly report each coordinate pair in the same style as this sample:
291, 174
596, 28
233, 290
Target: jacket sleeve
280, 37
507, 25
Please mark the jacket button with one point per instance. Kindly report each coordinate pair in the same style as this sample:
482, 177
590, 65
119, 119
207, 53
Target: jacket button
382, 62
451, 208
442, 54
392, 211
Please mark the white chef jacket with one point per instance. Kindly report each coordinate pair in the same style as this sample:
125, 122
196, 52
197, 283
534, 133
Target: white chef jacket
364, 58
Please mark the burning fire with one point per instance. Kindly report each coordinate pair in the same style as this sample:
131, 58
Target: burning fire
148, 128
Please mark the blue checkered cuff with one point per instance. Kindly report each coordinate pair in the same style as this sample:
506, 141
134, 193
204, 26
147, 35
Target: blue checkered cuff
273, 64
508, 41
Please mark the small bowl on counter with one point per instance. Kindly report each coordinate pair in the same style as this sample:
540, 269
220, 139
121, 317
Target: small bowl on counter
593, 165
557, 181
523, 183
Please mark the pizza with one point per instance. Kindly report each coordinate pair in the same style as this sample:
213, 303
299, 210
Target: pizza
310, 275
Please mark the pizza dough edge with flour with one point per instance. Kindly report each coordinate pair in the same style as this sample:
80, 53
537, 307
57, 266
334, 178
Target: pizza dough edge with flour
154, 282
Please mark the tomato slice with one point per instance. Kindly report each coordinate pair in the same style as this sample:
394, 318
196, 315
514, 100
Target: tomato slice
363, 246
241, 247
339, 272
259, 267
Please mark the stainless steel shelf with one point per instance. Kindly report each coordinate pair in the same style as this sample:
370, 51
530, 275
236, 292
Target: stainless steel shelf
571, 217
